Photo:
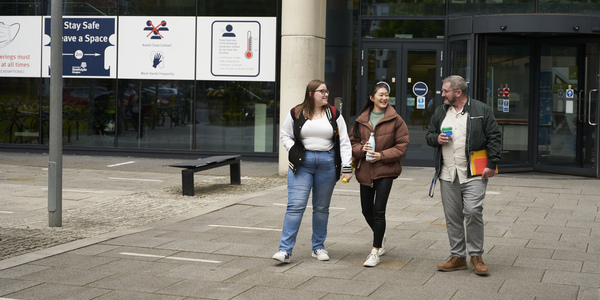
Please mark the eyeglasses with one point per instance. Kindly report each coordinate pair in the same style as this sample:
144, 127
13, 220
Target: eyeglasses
448, 91
323, 92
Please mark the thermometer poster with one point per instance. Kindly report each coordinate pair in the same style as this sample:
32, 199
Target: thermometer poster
241, 48
235, 48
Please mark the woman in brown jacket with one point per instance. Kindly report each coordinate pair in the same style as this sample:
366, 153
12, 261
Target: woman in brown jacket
384, 163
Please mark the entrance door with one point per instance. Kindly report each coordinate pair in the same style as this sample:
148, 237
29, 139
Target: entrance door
402, 65
568, 107
545, 98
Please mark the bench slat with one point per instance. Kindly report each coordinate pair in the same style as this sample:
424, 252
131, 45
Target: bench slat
203, 161
193, 166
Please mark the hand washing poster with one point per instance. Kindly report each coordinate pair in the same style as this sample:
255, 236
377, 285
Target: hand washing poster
157, 47
20, 51
236, 48
88, 47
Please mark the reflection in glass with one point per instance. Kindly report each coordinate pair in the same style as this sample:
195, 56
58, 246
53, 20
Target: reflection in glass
157, 8
20, 118
460, 59
88, 111
381, 67
89, 8
236, 8
558, 115
476, 7
403, 29
155, 114
404, 8
508, 67
21, 8
421, 67
237, 116
568, 6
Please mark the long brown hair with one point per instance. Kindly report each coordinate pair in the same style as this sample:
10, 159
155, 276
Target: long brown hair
308, 105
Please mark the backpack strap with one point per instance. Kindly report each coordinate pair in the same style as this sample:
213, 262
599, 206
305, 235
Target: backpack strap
336, 113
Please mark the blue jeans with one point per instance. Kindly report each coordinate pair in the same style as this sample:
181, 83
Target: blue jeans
317, 172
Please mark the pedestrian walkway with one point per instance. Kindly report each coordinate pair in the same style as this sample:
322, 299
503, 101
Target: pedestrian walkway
542, 242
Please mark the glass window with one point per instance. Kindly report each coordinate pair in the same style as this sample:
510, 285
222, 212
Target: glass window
21, 8
403, 29
236, 116
460, 59
250, 8
85, 8
157, 7
508, 93
570, 6
20, 119
557, 129
488, 7
404, 8
88, 111
154, 114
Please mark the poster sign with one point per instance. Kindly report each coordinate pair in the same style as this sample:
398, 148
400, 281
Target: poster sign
20, 54
420, 89
88, 47
157, 47
420, 102
570, 93
236, 48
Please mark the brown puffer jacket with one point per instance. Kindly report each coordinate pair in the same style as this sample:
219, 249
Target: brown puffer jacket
391, 140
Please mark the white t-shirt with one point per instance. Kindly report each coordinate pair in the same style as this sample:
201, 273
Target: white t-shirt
317, 135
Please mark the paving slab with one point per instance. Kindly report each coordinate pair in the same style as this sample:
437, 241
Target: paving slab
140, 239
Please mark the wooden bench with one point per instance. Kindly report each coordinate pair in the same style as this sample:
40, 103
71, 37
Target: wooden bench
193, 166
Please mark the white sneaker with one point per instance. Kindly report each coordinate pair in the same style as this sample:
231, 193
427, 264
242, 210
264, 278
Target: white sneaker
382, 249
372, 259
282, 256
320, 254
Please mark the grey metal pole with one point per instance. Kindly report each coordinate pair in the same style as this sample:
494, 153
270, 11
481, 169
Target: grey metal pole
56, 87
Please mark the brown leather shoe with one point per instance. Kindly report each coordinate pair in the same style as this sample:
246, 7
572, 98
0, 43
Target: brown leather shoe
480, 267
454, 263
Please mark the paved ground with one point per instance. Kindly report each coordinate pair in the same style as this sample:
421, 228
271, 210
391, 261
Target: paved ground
128, 234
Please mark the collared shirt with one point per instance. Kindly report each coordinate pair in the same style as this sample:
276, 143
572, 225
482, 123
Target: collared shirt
453, 154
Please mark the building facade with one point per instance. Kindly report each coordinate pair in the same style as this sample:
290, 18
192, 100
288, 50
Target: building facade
163, 78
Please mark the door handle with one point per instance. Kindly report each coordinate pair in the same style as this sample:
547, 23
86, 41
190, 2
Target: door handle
590, 107
579, 112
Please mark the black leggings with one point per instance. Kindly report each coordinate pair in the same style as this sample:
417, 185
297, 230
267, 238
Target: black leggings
373, 201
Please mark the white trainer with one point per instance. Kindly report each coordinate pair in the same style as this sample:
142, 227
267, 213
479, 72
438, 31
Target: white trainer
282, 256
320, 254
372, 259
382, 249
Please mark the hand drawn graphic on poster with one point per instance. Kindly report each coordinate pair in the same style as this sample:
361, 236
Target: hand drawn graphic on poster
155, 30
8, 32
157, 58
88, 46
235, 48
20, 55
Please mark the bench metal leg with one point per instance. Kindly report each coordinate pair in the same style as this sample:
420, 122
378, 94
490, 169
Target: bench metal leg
187, 179
235, 173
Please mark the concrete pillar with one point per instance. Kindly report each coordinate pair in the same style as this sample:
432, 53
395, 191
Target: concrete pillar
302, 55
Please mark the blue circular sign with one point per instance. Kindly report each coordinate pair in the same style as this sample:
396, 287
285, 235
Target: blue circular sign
420, 89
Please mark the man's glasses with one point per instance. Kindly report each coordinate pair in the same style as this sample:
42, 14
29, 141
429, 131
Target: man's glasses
448, 91
323, 92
